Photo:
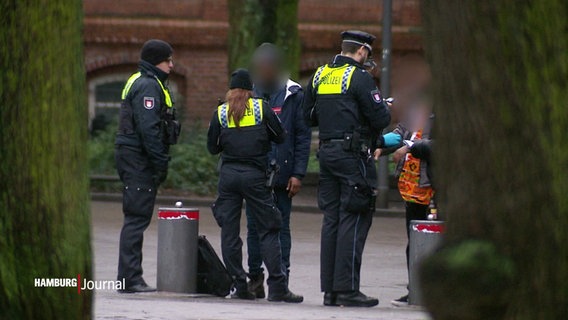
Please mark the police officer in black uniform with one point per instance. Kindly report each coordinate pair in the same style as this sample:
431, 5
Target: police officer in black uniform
147, 127
241, 130
343, 100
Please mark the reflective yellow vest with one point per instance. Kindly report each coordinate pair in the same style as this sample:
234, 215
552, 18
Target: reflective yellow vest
333, 80
135, 77
252, 117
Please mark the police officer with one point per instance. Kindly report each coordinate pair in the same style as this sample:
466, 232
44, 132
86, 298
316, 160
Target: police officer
147, 127
343, 100
241, 130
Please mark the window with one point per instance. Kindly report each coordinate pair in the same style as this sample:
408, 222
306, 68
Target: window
105, 99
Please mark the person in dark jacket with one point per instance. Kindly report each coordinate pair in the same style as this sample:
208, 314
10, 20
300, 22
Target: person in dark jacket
285, 97
241, 130
343, 100
414, 169
142, 146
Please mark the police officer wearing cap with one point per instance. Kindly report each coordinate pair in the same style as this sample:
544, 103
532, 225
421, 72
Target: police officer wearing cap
147, 126
242, 130
343, 100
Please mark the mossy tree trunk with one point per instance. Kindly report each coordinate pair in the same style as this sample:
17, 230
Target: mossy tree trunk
253, 22
500, 82
44, 210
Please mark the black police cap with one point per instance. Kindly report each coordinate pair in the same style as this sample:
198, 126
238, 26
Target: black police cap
359, 37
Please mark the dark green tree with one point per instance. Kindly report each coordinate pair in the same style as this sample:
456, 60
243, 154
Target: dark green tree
253, 22
44, 208
500, 83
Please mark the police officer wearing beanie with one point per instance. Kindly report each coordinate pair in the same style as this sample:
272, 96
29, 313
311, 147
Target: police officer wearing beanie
147, 127
241, 130
343, 100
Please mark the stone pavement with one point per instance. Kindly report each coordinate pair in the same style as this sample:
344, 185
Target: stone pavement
383, 275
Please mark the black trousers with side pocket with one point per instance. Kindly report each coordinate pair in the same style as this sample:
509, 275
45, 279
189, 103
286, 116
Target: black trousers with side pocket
238, 182
139, 195
347, 215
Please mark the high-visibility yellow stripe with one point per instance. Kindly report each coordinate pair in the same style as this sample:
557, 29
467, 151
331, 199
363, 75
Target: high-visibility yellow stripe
135, 77
252, 117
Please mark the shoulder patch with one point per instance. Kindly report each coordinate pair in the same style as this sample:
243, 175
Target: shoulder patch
149, 103
376, 94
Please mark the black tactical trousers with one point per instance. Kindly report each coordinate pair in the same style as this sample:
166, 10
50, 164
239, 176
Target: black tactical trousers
139, 194
345, 223
414, 211
238, 182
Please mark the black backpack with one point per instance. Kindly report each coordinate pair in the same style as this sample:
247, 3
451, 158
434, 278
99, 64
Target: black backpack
212, 276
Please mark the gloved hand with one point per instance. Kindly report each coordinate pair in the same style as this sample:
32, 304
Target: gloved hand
160, 177
391, 139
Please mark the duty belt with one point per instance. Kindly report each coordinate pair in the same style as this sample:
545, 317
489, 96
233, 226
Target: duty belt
352, 143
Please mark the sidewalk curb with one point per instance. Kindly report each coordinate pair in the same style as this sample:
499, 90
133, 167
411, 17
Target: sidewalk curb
206, 202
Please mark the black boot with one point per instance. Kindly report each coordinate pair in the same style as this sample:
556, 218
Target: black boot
242, 292
355, 299
256, 285
329, 299
288, 297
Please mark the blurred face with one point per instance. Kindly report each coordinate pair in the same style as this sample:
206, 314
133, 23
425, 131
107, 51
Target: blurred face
265, 73
167, 66
419, 114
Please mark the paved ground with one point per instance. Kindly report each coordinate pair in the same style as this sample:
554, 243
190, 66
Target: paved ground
383, 275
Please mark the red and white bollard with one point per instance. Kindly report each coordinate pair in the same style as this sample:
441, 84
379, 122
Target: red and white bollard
425, 236
178, 231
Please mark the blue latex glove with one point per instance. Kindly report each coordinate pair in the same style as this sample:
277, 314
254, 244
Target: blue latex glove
391, 139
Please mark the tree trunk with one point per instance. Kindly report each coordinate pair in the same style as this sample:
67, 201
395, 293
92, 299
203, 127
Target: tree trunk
44, 210
500, 83
253, 22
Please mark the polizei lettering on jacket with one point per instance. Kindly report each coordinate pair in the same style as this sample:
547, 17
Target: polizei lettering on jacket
331, 80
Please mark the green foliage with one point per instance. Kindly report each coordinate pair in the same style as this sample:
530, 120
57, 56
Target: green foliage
313, 164
479, 278
499, 71
101, 152
44, 204
191, 169
253, 22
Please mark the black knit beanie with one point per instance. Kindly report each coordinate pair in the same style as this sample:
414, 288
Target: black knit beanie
240, 79
156, 51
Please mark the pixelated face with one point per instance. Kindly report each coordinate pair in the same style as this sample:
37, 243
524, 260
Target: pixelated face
265, 71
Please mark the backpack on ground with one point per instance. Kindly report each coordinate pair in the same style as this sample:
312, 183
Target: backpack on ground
212, 276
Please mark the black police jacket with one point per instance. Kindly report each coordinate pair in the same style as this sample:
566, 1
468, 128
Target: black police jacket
140, 117
359, 108
246, 145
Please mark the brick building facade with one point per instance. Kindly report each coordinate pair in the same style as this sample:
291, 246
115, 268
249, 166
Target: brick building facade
197, 29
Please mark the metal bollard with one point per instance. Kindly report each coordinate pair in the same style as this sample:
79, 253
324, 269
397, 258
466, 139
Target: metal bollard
424, 237
178, 231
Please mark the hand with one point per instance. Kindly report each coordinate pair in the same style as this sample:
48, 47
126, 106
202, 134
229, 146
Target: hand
294, 186
391, 139
399, 154
377, 154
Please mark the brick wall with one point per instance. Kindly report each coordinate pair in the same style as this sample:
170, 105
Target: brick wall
115, 31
